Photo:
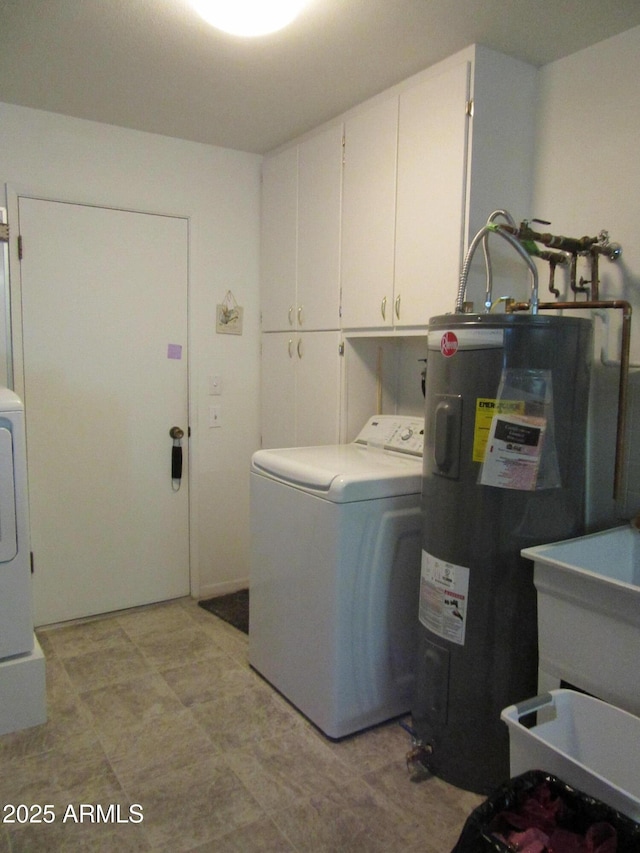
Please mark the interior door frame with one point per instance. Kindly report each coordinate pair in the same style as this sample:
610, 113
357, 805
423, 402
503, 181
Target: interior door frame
12, 330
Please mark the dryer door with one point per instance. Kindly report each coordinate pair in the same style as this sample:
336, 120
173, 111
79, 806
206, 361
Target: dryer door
8, 536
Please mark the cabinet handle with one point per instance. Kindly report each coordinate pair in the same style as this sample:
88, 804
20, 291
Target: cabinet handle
383, 308
300, 315
397, 307
290, 347
291, 315
299, 347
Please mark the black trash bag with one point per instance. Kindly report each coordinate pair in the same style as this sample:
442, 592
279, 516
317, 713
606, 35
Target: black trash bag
577, 812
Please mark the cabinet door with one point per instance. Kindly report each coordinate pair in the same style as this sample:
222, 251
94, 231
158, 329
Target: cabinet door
368, 216
278, 240
277, 389
300, 389
318, 388
319, 197
432, 155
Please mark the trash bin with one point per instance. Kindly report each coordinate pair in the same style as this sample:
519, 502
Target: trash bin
572, 813
583, 741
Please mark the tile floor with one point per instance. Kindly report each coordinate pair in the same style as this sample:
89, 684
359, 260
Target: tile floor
157, 706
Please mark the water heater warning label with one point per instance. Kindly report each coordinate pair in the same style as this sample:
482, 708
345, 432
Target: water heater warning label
486, 408
444, 598
512, 458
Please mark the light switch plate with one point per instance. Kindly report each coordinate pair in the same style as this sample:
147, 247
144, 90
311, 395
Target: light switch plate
215, 386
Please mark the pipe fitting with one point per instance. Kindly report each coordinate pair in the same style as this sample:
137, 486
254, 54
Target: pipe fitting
505, 232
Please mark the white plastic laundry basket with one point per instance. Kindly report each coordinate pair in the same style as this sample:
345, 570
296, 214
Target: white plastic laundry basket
585, 742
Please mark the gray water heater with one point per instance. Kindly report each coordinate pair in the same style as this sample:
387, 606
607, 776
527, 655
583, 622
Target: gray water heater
504, 468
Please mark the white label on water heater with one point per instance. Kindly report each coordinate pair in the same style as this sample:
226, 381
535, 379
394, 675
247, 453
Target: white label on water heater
513, 452
444, 598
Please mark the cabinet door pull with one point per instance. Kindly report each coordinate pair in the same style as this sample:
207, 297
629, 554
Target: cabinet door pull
383, 308
291, 315
290, 347
300, 315
397, 307
299, 347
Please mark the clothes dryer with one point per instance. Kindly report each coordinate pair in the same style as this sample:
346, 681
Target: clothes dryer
22, 665
335, 574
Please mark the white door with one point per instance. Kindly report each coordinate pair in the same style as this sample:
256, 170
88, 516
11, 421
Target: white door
104, 378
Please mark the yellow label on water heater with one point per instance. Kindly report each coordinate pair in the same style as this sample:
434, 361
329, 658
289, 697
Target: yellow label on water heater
486, 408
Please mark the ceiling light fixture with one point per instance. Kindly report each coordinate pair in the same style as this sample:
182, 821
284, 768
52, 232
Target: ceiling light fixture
249, 17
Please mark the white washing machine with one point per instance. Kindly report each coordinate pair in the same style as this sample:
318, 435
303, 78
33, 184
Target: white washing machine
335, 574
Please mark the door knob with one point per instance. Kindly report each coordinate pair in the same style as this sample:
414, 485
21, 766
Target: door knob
176, 434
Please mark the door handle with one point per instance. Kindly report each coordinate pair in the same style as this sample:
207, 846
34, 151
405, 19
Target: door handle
177, 434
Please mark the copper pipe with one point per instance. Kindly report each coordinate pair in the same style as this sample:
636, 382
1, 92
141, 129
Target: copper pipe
553, 259
612, 251
552, 275
556, 257
575, 287
574, 245
595, 276
625, 345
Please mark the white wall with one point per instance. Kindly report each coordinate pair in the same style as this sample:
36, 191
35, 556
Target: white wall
587, 178
75, 160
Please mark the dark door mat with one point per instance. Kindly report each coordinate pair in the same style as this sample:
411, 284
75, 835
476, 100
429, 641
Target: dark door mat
232, 608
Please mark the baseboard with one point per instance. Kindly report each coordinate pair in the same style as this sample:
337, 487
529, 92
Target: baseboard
215, 589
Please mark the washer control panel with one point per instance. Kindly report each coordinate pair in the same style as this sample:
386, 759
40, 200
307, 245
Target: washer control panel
402, 433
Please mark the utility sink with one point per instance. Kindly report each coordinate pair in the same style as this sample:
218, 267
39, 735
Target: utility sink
589, 614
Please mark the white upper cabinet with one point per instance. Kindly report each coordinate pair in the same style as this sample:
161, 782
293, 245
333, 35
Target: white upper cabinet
368, 215
430, 206
499, 167
301, 196
279, 240
404, 203
319, 199
365, 225
424, 169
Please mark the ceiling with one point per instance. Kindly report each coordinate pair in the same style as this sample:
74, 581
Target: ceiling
154, 65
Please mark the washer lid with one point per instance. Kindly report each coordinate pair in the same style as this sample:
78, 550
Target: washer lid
343, 472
